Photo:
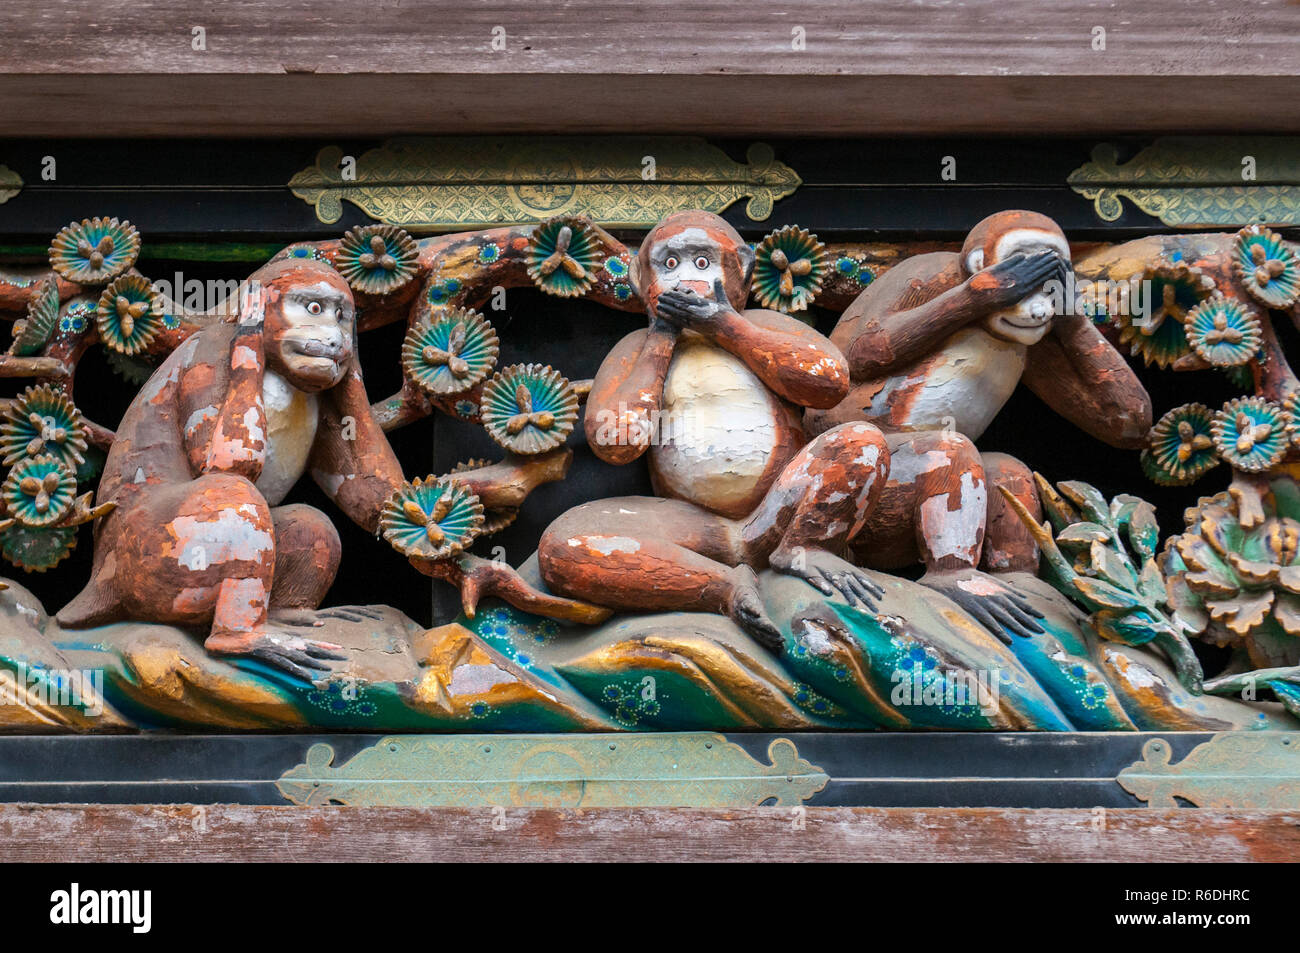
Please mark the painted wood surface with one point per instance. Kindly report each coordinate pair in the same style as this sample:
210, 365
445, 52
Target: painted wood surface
882, 67
232, 833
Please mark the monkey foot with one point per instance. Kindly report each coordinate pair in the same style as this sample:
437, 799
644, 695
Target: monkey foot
994, 604
748, 612
828, 575
302, 658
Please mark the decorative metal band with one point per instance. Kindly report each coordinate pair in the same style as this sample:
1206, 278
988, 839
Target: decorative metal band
1194, 182
1245, 770
619, 181
689, 769
11, 184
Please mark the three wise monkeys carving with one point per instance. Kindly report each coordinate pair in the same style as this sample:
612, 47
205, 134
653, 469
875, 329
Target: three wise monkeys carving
769, 446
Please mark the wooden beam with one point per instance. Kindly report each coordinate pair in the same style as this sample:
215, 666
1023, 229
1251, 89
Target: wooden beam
334, 67
217, 833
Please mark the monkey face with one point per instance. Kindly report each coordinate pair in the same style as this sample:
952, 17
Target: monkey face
693, 251
1028, 320
687, 261
309, 330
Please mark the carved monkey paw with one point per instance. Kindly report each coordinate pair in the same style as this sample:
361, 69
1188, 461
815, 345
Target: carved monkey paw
690, 309
830, 576
994, 604
301, 658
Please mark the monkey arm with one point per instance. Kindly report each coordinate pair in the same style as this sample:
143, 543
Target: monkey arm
238, 436
627, 394
351, 459
794, 360
1083, 378
879, 344
922, 302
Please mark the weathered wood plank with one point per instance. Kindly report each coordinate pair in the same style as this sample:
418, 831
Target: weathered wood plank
221, 833
317, 67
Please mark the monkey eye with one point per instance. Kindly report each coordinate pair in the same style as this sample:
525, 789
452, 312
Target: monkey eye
702, 262
671, 261
313, 307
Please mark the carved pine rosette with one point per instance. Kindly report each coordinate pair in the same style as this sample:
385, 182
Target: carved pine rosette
789, 266
1239, 586
448, 351
432, 519
1292, 407
39, 491
529, 408
377, 259
1159, 337
1181, 446
94, 250
32, 333
125, 317
563, 254
1224, 332
1250, 433
1267, 267
36, 549
41, 420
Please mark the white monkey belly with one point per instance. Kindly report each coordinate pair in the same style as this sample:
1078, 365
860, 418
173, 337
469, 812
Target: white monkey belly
718, 430
291, 420
966, 382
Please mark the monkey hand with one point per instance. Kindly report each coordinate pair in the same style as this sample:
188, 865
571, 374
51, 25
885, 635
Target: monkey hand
829, 575
304, 659
690, 309
993, 604
1018, 277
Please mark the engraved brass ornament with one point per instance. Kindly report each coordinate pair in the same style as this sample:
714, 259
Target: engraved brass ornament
449, 184
1257, 770
689, 769
1191, 182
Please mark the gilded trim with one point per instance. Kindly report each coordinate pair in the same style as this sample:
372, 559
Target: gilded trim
450, 184
1198, 182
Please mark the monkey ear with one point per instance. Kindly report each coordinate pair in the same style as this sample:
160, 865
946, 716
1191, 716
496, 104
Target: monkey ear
975, 261
747, 255
634, 275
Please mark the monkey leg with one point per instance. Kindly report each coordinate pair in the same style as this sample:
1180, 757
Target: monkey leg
933, 506
172, 551
203, 553
1008, 545
647, 554
938, 496
822, 497
818, 503
307, 556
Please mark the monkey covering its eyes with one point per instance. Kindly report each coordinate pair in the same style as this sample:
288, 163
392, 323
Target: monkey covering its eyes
936, 347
